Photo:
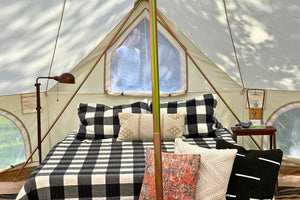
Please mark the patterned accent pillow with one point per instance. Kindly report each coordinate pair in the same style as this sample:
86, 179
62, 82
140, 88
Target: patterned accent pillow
200, 118
214, 172
254, 172
179, 173
140, 126
101, 121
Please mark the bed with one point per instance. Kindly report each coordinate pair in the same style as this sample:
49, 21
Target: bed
91, 162
98, 169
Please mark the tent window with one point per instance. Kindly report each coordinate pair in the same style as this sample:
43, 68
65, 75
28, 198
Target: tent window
14, 145
129, 62
287, 122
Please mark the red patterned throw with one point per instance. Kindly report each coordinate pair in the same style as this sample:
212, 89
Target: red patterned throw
179, 174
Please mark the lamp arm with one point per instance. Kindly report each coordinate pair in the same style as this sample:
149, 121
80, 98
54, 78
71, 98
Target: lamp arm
46, 77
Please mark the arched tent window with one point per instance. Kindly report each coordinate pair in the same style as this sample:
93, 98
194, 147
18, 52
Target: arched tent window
14, 143
128, 61
287, 122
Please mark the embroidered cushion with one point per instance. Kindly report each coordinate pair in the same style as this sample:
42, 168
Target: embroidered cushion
100, 121
179, 174
214, 171
200, 120
140, 126
254, 172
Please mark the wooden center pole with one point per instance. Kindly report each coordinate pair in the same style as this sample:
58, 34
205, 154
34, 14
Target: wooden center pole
155, 100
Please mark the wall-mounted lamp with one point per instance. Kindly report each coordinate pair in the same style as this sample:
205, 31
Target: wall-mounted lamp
64, 78
256, 101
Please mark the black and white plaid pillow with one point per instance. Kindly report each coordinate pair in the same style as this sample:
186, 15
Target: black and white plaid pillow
101, 121
199, 114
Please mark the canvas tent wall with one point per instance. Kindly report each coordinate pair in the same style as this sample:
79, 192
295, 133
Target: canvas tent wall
199, 25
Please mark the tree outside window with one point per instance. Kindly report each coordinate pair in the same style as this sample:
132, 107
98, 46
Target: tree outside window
12, 149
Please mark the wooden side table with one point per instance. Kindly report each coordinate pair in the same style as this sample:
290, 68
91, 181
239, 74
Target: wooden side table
269, 130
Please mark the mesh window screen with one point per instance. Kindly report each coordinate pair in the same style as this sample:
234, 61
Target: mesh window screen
287, 122
130, 63
11, 143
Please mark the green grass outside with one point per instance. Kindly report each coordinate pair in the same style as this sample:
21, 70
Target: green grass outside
11, 143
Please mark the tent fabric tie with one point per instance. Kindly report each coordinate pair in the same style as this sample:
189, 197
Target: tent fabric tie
233, 46
57, 36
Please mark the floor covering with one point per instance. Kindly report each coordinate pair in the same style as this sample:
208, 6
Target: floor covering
284, 193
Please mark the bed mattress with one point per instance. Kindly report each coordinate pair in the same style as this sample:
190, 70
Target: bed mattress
97, 169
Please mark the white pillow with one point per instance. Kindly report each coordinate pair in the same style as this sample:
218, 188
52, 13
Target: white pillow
214, 172
140, 126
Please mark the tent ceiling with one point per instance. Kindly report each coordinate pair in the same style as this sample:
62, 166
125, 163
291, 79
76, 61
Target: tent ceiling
28, 40
266, 34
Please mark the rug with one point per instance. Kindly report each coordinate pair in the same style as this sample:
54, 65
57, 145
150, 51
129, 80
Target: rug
284, 193
288, 193
8, 196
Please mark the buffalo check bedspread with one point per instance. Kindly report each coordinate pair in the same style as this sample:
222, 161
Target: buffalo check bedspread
97, 169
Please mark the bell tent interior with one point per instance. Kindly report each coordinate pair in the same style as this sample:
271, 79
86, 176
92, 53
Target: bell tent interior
233, 49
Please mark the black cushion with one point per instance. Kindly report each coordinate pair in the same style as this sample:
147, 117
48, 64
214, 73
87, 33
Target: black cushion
254, 172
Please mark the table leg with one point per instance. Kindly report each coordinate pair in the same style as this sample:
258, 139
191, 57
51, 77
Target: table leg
271, 142
274, 143
276, 189
274, 140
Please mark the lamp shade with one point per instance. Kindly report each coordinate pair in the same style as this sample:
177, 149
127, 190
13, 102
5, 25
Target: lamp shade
256, 99
65, 78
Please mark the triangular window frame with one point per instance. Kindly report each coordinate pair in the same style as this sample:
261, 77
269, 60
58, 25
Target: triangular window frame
181, 73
